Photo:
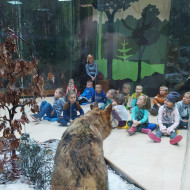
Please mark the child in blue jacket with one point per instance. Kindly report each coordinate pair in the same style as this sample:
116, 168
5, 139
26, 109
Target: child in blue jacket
88, 93
99, 97
70, 110
52, 112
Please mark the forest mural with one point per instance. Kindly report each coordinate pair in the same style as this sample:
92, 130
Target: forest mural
146, 36
136, 41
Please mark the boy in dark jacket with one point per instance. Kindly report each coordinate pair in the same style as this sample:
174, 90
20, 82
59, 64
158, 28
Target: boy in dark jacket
70, 110
99, 97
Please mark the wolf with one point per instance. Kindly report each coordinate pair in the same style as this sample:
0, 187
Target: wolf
79, 160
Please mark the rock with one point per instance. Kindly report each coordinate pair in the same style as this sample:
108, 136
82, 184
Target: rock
151, 84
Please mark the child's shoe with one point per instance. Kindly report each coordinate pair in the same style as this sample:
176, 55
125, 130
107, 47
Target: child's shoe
143, 130
176, 139
36, 117
154, 137
132, 130
114, 123
153, 112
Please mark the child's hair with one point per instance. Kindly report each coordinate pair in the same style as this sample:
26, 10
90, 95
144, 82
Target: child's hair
113, 92
126, 85
89, 81
71, 81
71, 93
60, 90
99, 85
164, 88
119, 99
139, 87
147, 102
90, 55
187, 93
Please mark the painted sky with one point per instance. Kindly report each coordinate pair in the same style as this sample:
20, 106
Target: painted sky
136, 8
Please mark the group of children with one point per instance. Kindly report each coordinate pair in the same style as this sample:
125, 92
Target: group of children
170, 115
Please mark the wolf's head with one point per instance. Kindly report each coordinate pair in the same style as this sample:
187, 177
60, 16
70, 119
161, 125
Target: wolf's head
103, 120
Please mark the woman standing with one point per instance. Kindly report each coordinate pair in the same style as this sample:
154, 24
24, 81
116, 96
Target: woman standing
91, 68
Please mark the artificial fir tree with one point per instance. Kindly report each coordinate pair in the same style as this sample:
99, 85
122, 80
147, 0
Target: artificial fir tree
124, 52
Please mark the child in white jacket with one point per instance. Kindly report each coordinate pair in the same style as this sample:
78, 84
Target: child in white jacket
119, 112
168, 120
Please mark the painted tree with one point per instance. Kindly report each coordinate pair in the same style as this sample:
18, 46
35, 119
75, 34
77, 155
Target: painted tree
110, 7
124, 52
146, 32
12, 72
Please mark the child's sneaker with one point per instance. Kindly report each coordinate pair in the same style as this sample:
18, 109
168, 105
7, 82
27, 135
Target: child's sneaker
153, 111
154, 137
114, 123
176, 139
36, 117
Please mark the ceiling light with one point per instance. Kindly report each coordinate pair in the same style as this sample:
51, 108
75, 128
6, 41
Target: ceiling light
14, 2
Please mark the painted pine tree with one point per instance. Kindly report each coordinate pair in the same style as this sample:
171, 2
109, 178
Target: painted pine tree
124, 52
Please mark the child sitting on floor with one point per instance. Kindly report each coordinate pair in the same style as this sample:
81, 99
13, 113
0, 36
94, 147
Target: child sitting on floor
126, 91
119, 112
71, 88
88, 93
183, 107
70, 110
134, 97
168, 120
71, 82
139, 118
159, 100
99, 97
52, 112
110, 95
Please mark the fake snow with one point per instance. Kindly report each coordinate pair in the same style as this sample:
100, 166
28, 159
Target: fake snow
17, 185
115, 182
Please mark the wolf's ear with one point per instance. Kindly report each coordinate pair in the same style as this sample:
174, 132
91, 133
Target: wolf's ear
108, 110
95, 105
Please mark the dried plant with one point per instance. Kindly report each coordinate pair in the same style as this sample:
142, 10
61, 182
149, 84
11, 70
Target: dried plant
12, 72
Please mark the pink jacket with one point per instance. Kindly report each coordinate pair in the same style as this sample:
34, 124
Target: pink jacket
168, 117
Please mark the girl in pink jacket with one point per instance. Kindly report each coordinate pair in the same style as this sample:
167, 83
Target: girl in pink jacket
168, 120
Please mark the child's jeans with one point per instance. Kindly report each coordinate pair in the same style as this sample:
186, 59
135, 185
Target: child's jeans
156, 107
64, 121
121, 123
182, 124
47, 108
172, 134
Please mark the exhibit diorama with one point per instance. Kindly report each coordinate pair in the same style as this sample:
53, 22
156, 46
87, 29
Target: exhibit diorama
46, 43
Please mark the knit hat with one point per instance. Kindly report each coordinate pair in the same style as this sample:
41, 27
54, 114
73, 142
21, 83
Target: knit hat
173, 97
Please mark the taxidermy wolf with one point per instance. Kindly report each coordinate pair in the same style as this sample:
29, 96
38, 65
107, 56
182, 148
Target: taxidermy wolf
79, 160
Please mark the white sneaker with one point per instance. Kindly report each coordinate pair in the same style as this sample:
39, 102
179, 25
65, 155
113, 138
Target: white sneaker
114, 123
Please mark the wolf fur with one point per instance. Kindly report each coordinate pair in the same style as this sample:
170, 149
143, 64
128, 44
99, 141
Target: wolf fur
79, 160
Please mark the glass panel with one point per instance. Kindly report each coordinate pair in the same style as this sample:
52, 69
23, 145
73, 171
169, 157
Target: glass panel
136, 42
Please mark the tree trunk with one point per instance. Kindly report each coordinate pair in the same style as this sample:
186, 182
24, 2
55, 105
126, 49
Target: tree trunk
110, 46
139, 65
100, 36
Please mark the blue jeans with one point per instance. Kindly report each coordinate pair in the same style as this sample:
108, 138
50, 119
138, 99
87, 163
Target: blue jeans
172, 135
156, 107
63, 121
47, 108
183, 124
